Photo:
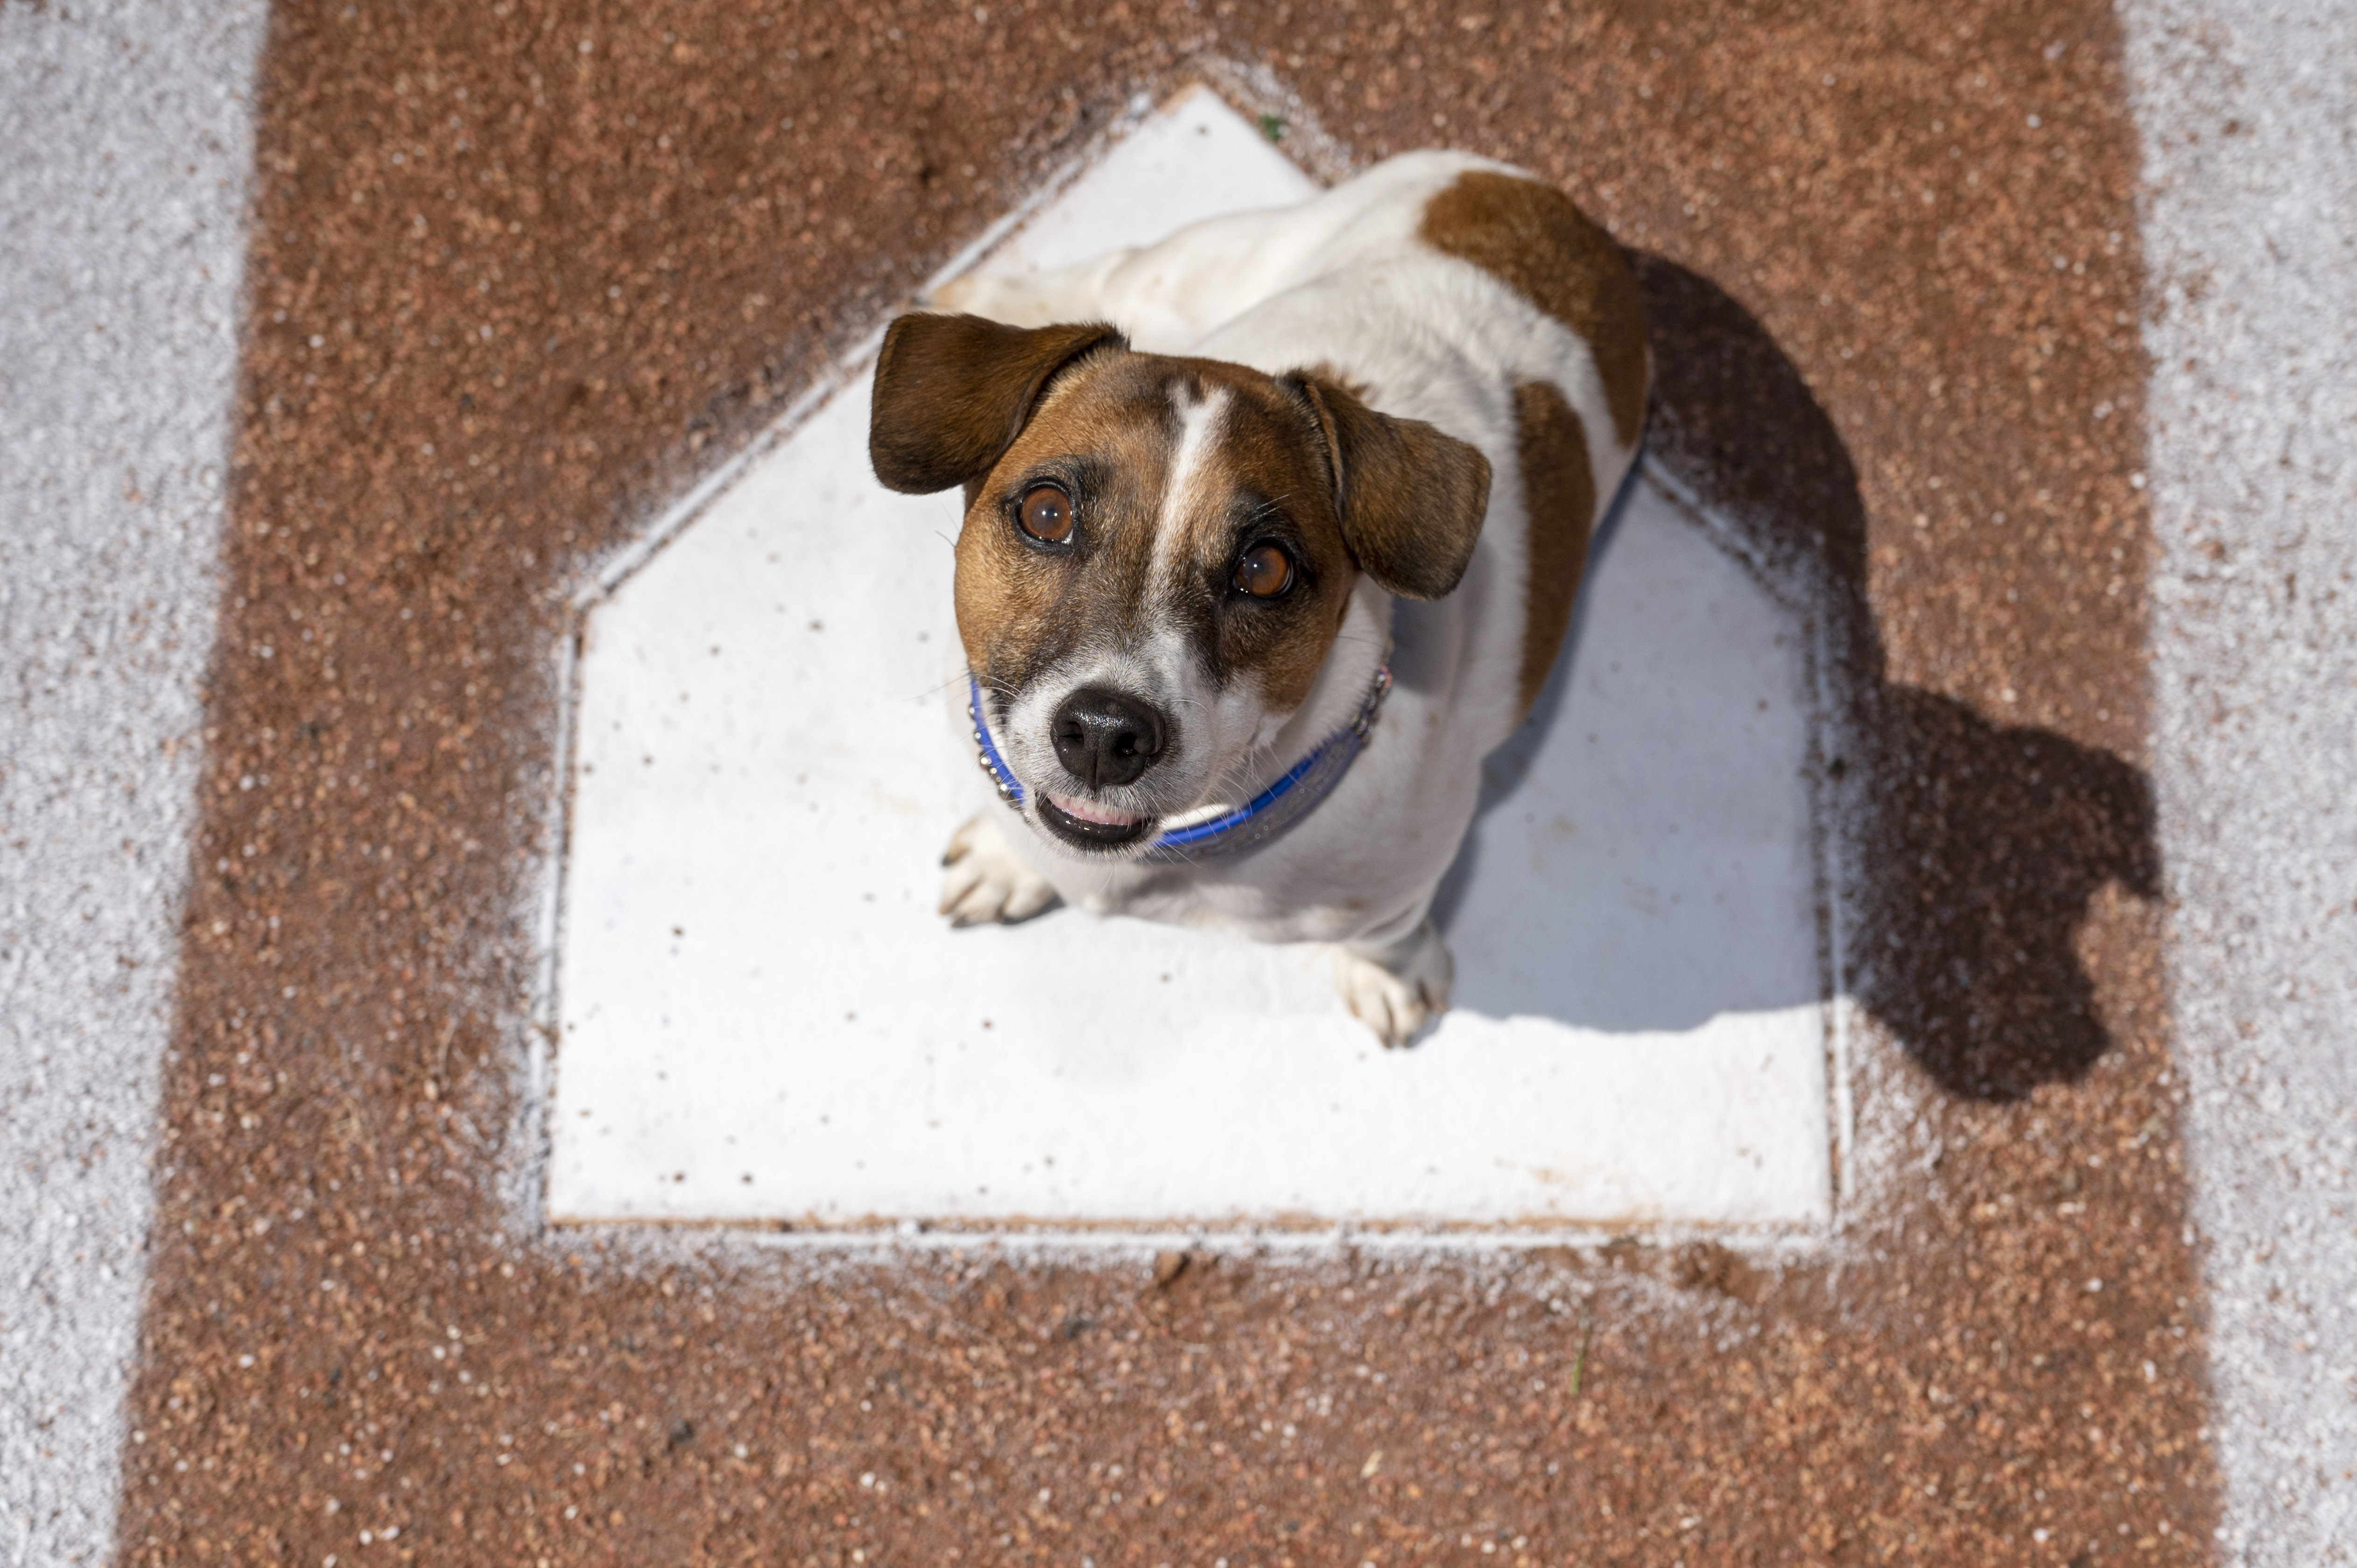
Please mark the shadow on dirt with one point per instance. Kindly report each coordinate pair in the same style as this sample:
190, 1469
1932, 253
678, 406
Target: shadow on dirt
1974, 847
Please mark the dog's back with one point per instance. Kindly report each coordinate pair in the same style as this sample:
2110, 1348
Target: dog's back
1453, 290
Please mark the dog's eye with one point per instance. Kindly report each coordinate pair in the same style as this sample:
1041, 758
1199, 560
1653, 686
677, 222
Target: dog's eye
1265, 571
1046, 514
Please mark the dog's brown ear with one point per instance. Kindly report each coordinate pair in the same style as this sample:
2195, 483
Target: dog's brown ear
952, 392
1410, 499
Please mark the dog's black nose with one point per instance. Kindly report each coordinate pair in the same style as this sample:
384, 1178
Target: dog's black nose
1105, 737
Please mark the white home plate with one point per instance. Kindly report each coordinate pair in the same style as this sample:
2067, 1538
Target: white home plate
762, 1018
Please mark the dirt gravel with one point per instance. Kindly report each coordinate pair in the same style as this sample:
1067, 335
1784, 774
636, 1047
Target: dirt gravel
520, 272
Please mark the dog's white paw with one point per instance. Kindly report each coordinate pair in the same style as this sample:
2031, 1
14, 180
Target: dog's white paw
1029, 299
950, 297
1007, 300
1399, 991
988, 880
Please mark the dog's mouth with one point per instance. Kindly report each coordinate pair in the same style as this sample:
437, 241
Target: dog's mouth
1091, 825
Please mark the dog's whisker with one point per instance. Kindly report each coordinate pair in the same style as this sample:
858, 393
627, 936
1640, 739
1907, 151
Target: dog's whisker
1271, 508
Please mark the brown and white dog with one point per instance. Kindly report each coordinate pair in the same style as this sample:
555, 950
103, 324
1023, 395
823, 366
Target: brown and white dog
1211, 487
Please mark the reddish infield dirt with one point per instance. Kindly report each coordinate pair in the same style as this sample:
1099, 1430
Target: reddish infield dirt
518, 272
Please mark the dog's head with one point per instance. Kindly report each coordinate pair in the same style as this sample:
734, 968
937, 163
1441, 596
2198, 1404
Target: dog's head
1157, 552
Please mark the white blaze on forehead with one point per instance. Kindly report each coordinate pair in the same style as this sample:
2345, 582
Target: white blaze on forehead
1161, 662
1190, 466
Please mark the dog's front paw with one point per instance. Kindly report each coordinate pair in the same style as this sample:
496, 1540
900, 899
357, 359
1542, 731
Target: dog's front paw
1399, 991
988, 880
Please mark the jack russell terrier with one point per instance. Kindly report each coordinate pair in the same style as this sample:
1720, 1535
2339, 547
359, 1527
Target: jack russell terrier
1272, 533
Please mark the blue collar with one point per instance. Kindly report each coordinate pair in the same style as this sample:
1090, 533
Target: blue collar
1250, 825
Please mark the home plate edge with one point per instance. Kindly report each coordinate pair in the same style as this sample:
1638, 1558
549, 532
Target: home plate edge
1772, 1009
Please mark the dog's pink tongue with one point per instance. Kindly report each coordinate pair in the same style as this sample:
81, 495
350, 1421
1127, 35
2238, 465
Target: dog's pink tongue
1089, 811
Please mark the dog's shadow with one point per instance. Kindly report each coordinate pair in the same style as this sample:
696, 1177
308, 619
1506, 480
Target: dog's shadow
1952, 859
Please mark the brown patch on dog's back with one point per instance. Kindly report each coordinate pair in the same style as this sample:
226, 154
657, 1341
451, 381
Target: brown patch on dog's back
1559, 493
1535, 239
